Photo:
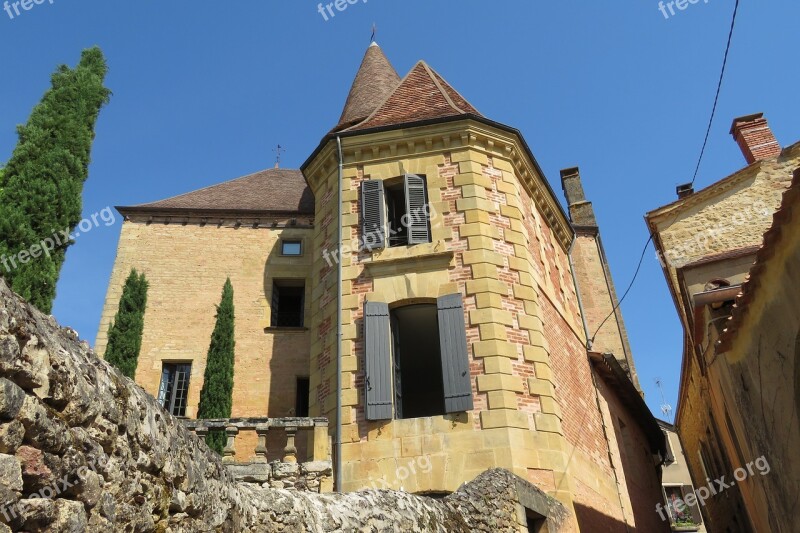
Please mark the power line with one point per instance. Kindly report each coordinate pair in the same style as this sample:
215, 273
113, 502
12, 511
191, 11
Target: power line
697, 169
719, 89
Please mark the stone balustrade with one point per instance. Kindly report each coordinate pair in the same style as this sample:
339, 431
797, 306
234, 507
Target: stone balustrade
312, 473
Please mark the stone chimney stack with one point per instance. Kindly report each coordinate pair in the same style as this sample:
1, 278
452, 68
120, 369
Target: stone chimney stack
755, 138
581, 212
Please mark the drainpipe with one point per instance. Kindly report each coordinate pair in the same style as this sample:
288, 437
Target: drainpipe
578, 293
594, 382
338, 443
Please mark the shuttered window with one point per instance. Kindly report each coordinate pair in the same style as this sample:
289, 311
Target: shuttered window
455, 356
416, 210
396, 214
373, 230
378, 381
417, 361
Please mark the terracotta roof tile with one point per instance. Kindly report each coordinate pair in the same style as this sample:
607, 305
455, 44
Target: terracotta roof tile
375, 81
274, 190
422, 95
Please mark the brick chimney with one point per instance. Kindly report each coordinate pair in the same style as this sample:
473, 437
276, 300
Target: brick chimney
755, 138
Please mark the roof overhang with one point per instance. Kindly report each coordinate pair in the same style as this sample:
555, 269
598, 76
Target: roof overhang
609, 369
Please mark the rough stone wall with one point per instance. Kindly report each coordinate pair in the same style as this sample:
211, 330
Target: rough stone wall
186, 266
760, 389
101, 455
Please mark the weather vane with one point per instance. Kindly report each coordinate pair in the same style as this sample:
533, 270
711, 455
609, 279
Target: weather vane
374, 31
278, 151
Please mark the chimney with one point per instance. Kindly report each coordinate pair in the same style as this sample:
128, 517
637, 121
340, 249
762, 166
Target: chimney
755, 138
581, 212
684, 190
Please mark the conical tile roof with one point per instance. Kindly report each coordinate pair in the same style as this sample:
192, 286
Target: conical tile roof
376, 79
422, 95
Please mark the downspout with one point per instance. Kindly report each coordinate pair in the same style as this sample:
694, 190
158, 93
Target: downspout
338, 443
594, 381
578, 292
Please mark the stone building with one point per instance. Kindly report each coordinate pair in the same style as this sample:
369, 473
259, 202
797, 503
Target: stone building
441, 332
729, 254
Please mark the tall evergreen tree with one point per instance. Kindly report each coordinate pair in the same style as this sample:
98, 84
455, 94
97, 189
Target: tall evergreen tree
216, 397
125, 332
40, 193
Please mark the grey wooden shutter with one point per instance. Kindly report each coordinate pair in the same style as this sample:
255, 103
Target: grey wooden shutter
378, 361
398, 381
373, 207
455, 357
416, 210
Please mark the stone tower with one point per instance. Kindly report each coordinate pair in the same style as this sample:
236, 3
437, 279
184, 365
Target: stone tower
462, 343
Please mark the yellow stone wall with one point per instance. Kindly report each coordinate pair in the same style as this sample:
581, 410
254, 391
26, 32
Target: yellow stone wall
500, 240
186, 266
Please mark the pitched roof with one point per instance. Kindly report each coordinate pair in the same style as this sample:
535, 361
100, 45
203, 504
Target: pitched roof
773, 239
375, 80
422, 95
274, 190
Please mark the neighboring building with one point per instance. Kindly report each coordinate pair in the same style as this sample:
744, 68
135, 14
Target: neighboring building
462, 345
676, 481
734, 284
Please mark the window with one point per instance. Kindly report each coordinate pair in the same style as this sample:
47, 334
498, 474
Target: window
288, 303
417, 364
174, 389
301, 397
294, 247
395, 214
681, 513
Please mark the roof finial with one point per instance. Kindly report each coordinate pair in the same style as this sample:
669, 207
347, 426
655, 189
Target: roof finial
374, 31
278, 152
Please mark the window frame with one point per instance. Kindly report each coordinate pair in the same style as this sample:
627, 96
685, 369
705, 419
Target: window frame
275, 309
164, 394
286, 241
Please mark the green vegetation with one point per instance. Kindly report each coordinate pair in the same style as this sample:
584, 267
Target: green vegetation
125, 332
216, 397
42, 183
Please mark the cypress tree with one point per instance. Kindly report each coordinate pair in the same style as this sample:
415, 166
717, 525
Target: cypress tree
125, 332
40, 193
216, 397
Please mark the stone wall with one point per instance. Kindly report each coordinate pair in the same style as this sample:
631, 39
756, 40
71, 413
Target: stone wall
84, 449
186, 266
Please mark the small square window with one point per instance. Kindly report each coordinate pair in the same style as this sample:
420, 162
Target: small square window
291, 248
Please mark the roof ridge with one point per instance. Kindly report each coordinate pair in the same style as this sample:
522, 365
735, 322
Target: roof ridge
386, 99
434, 77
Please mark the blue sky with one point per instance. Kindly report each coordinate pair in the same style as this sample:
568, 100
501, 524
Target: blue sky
204, 91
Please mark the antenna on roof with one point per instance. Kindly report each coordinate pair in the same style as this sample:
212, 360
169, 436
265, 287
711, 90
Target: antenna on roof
666, 409
278, 151
374, 31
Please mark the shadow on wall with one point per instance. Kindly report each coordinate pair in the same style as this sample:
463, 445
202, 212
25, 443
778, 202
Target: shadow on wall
593, 520
290, 347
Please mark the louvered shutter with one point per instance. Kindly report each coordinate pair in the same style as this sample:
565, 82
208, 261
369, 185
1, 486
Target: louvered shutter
417, 210
373, 231
378, 361
455, 357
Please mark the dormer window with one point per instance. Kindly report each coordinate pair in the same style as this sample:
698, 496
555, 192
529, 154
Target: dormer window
395, 213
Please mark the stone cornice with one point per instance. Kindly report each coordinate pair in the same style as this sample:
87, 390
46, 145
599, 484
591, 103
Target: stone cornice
439, 138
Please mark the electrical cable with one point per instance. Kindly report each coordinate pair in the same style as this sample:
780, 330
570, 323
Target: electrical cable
696, 171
